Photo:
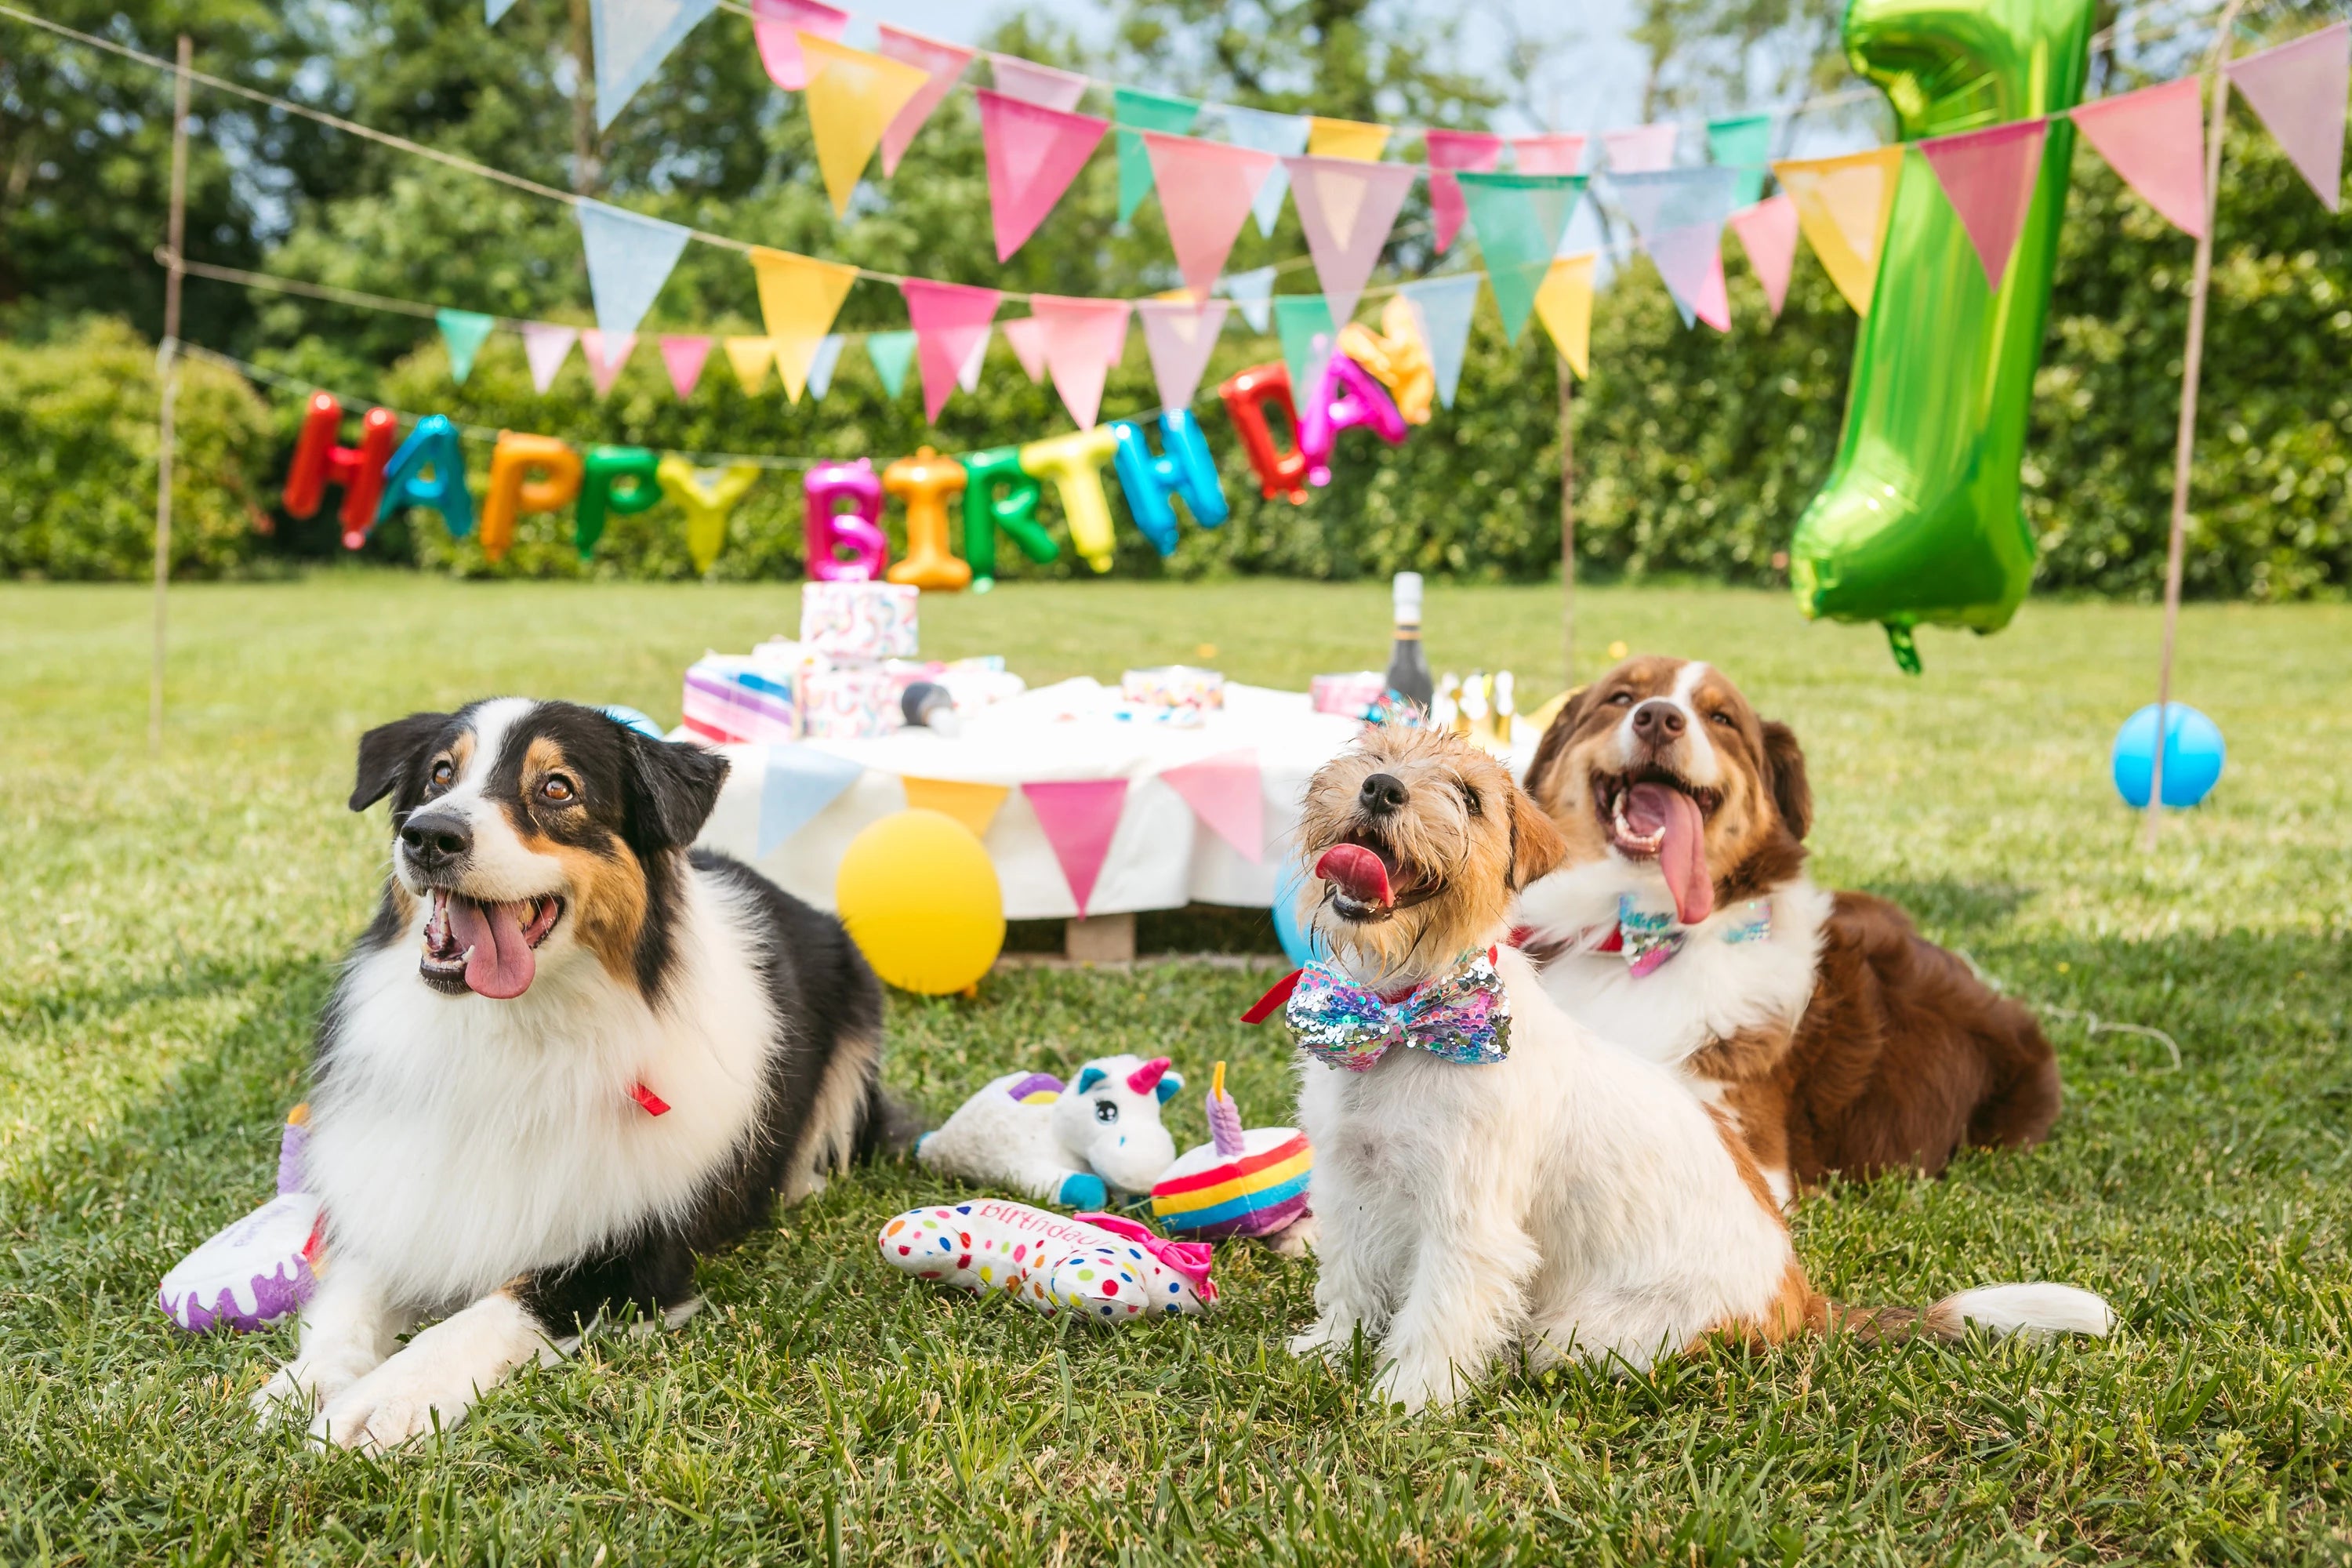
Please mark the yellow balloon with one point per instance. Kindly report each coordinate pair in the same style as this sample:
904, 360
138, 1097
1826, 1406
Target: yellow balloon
921, 898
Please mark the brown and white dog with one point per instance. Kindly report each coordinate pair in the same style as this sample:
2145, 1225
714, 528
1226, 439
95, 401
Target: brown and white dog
1682, 924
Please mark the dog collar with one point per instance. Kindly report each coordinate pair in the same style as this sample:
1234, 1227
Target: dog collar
653, 1103
1649, 937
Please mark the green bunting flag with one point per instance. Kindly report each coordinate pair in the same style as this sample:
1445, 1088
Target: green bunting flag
464, 332
1144, 111
891, 353
1743, 143
1309, 335
1519, 219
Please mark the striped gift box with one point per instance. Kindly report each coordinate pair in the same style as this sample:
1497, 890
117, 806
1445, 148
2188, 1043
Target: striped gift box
732, 701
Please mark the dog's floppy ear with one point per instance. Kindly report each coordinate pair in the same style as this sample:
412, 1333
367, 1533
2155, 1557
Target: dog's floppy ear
1537, 847
1555, 740
386, 750
673, 785
1784, 769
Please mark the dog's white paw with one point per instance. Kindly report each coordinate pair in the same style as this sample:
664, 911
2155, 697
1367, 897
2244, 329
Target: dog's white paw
1416, 1385
404, 1399
1330, 1339
302, 1386
1295, 1240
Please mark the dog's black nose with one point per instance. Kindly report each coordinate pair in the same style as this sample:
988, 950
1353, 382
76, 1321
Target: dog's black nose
1657, 719
1381, 793
434, 842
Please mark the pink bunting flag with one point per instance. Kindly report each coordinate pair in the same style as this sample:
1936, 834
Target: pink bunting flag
1180, 335
968, 372
1448, 151
683, 358
546, 346
945, 62
2155, 139
1691, 262
951, 322
1027, 336
2299, 89
1767, 232
1206, 190
1558, 152
1225, 792
1987, 176
1084, 338
607, 353
1079, 818
1640, 149
1041, 85
1033, 152
776, 23
1347, 207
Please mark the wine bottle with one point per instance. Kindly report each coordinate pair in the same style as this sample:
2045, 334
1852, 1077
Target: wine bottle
1408, 674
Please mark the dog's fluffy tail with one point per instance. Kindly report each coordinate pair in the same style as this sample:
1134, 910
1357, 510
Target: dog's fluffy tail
887, 1127
2037, 1310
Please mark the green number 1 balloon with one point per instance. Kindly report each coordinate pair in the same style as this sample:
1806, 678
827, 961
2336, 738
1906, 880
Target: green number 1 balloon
1919, 520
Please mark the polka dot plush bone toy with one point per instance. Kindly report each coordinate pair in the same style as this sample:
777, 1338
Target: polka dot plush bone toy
1103, 1267
1075, 1145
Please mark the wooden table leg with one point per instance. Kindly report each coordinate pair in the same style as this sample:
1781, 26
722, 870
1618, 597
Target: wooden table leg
1104, 939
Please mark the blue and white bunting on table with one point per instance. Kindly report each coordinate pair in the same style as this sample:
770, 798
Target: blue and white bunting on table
800, 782
629, 259
1253, 291
1284, 136
1443, 306
494, 9
822, 363
1309, 335
631, 39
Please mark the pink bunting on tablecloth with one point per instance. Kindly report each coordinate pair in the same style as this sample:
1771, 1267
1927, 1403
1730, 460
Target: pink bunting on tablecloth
775, 27
1206, 190
1227, 793
546, 346
1027, 336
951, 320
1558, 152
607, 353
1347, 207
1448, 151
1640, 149
2298, 89
1767, 232
1079, 818
1987, 176
945, 62
2155, 139
683, 358
1691, 262
1083, 338
1033, 83
1180, 335
1033, 154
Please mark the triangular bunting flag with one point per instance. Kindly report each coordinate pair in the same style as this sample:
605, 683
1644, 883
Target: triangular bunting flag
463, 332
1309, 334
1448, 151
1519, 219
943, 65
1564, 304
950, 320
546, 346
1180, 336
1345, 139
822, 363
2298, 89
1227, 793
1987, 176
852, 97
684, 359
1842, 205
1767, 232
1263, 131
1253, 290
1743, 143
1083, 338
800, 782
799, 297
1691, 262
605, 356
630, 39
1347, 209
2155, 139
1666, 199
629, 259
776, 28
1137, 111
750, 357
1033, 153
968, 372
1640, 149
1206, 190
1027, 336
1044, 86
1557, 153
494, 9
890, 353
1079, 818
973, 805
1444, 306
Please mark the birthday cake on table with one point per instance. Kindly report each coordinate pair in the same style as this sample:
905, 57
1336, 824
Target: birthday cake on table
1242, 1181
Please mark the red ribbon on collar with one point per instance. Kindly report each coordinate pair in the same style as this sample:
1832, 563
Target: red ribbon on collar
653, 1103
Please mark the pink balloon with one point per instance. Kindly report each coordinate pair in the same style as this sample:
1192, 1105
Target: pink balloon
859, 526
1346, 395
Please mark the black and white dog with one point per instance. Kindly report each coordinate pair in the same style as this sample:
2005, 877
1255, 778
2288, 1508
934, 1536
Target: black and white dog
567, 1056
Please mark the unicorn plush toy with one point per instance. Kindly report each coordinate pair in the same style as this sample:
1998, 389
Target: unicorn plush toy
1074, 1145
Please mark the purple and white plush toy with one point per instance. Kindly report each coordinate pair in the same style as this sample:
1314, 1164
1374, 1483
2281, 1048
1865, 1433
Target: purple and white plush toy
259, 1268
1075, 1145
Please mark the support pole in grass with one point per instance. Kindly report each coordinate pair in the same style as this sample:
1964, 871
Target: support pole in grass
167, 372
1567, 528
2192, 359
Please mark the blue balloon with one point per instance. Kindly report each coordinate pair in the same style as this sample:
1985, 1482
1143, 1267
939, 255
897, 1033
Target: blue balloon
642, 723
434, 443
2193, 755
1152, 484
1299, 944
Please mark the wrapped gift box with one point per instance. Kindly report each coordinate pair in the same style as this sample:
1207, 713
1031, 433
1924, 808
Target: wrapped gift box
849, 701
1350, 695
859, 620
732, 700
1173, 685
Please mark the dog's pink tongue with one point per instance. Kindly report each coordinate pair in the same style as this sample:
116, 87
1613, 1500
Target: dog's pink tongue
501, 963
1357, 869
1682, 857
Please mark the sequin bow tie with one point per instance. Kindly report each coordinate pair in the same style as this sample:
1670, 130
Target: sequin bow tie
1465, 1016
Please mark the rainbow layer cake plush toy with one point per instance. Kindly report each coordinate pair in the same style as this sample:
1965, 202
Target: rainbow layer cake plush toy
1250, 1182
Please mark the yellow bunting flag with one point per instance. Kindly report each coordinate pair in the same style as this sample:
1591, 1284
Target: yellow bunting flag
1842, 205
799, 297
853, 95
973, 805
750, 357
1564, 305
1345, 139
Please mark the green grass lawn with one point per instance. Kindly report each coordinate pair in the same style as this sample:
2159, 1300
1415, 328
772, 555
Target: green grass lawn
173, 925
